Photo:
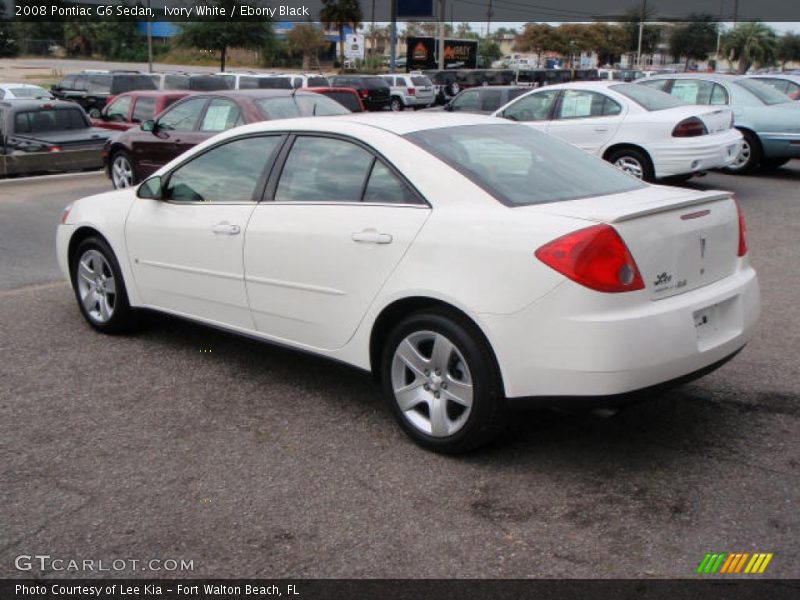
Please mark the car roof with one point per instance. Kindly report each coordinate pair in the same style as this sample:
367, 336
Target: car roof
5, 86
155, 93
29, 104
719, 77
786, 76
330, 88
259, 93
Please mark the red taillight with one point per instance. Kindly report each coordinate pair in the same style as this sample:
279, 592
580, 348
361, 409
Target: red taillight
690, 127
54, 149
595, 257
364, 93
412, 92
742, 232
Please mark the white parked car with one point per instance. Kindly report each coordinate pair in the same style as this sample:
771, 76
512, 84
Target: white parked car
24, 91
470, 263
651, 135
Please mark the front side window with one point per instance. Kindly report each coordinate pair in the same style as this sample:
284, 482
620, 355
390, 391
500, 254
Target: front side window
221, 115
227, 173
519, 166
99, 84
534, 107
182, 116
118, 110
468, 100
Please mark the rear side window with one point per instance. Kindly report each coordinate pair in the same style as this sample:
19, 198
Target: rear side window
209, 83
317, 82
99, 84
306, 105
275, 83
49, 120
580, 104
68, 83
129, 83
248, 83
386, 188
698, 91
323, 170
375, 83
176, 82
221, 115
144, 109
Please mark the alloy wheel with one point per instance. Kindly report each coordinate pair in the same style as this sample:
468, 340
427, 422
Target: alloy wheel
743, 157
97, 287
121, 172
631, 166
432, 383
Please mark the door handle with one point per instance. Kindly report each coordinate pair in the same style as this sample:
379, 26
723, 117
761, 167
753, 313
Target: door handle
601, 129
226, 228
370, 236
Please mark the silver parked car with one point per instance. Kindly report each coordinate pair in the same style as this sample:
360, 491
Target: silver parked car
410, 91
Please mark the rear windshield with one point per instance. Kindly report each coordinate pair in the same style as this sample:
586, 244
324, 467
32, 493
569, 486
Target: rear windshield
765, 93
287, 107
647, 97
521, 167
29, 92
422, 81
129, 83
346, 99
57, 119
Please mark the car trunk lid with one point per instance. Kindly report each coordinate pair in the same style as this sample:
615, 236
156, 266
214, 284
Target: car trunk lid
681, 240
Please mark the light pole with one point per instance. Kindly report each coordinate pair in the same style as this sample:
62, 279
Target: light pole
442, 14
641, 33
149, 40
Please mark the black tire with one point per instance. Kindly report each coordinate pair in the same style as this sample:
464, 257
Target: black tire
122, 317
94, 112
396, 104
774, 163
487, 415
121, 155
753, 152
637, 160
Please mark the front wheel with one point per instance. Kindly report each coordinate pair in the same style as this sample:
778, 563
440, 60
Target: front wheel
634, 162
94, 112
99, 287
440, 378
122, 171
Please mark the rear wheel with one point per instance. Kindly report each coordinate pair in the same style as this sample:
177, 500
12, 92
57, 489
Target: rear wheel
441, 380
634, 162
749, 156
122, 171
94, 112
99, 287
396, 104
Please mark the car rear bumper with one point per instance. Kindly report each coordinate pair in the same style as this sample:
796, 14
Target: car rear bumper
576, 342
682, 156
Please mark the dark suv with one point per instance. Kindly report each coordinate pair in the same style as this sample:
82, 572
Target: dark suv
92, 90
375, 93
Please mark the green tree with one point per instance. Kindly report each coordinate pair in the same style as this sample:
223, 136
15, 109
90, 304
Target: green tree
307, 40
338, 14
651, 33
8, 42
609, 40
695, 39
222, 35
788, 48
489, 51
751, 44
539, 38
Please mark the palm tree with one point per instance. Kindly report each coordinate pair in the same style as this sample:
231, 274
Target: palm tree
750, 43
338, 14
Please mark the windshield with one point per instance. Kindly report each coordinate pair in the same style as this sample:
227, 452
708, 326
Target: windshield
287, 107
520, 167
765, 93
30, 92
647, 97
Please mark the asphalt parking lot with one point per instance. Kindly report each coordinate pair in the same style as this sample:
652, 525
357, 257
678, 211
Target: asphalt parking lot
182, 442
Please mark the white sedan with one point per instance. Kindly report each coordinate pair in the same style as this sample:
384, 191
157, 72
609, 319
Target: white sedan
651, 135
467, 261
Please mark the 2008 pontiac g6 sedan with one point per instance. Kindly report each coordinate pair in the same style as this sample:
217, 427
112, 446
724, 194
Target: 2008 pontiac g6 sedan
470, 263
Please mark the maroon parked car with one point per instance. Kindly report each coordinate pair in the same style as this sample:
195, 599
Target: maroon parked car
347, 97
133, 108
139, 152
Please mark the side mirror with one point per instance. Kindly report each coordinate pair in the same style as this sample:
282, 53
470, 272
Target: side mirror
149, 125
150, 189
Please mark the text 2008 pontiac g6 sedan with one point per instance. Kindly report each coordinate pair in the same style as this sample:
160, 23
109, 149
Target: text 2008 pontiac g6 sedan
464, 260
